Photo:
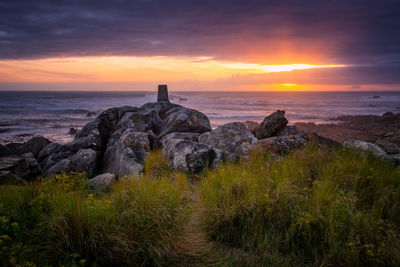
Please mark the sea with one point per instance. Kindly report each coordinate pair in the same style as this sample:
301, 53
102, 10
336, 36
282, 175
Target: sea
52, 114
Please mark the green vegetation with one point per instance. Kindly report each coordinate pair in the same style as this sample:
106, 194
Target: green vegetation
56, 222
313, 207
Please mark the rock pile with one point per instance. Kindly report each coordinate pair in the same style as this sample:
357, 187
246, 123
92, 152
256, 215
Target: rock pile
117, 142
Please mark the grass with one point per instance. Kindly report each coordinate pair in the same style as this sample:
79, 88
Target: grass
56, 222
312, 207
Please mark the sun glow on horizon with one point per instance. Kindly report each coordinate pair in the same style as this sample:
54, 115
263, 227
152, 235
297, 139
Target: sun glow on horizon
289, 84
279, 68
204, 70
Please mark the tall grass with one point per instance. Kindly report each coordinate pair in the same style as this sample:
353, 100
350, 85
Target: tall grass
56, 222
315, 207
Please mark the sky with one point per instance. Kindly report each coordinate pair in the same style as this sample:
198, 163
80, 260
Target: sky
200, 45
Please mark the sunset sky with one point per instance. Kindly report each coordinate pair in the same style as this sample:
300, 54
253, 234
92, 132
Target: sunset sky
200, 45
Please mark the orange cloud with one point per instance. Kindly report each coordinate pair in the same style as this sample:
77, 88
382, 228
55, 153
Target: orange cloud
134, 69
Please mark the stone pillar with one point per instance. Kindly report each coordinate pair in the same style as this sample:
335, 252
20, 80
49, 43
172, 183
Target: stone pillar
162, 93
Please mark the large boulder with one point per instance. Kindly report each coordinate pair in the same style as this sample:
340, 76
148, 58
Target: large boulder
180, 119
280, 145
54, 158
233, 139
22, 166
54, 153
4, 151
49, 150
106, 122
321, 140
125, 156
102, 182
200, 158
16, 164
365, 147
147, 117
171, 136
139, 121
251, 125
287, 130
85, 160
34, 167
93, 141
271, 125
188, 156
34, 145
94, 135
390, 148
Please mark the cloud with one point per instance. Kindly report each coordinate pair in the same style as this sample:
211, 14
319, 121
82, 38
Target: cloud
352, 75
266, 32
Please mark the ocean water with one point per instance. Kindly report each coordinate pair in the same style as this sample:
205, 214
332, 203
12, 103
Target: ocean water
52, 114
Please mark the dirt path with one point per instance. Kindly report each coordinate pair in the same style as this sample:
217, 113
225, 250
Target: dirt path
196, 249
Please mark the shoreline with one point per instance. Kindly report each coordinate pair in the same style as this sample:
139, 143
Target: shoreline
367, 128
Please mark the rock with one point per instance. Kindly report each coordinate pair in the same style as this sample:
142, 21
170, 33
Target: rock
180, 119
34, 145
271, 125
90, 114
199, 159
84, 160
366, 147
140, 121
52, 159
388, 114
395, 158
5, 152
219, 158
233, 139
154, 141
311, 136
34, 167
162, 93
8, 178
251, 125
280, 145
17, 165
187, 136
102, 182
105, 124
147, 117
93, 141
73, 131
159, 107
188, 156
287, 130
389, 147
92, 136
48, 150
54, 153
126, 155
369, 128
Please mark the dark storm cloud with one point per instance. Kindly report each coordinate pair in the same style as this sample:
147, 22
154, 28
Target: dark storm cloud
352, 32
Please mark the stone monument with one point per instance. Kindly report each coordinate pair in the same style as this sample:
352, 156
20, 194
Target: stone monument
162, 93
